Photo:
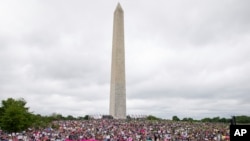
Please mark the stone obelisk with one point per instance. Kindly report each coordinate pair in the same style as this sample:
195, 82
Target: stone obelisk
117, 105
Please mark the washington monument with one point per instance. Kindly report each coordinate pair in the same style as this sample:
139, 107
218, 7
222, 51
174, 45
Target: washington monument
117, 107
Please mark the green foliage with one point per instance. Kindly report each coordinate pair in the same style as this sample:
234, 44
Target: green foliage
215, 119
150, 117
70, 117
86, 117
206, 119
188, 119
56, 116
224, 120
14, 116
39, 121
175, 118
242, 119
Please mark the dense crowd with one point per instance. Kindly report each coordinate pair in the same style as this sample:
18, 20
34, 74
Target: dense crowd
124, 130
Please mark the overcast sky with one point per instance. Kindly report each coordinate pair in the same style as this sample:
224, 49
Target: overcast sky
188, 58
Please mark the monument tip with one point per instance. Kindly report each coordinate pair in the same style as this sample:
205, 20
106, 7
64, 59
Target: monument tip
118, 7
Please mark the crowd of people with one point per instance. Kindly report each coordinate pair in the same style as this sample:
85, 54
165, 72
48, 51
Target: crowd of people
123, 130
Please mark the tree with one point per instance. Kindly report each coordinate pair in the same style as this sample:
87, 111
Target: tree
86, 117
175, 118
243, 119
206, 119
188, 119
151, 117
15, 116
80, 118
56, 116
70, 117
216, 119
224, 120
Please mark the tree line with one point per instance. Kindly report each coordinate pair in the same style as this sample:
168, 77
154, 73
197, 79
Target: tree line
15, 117
239, 119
